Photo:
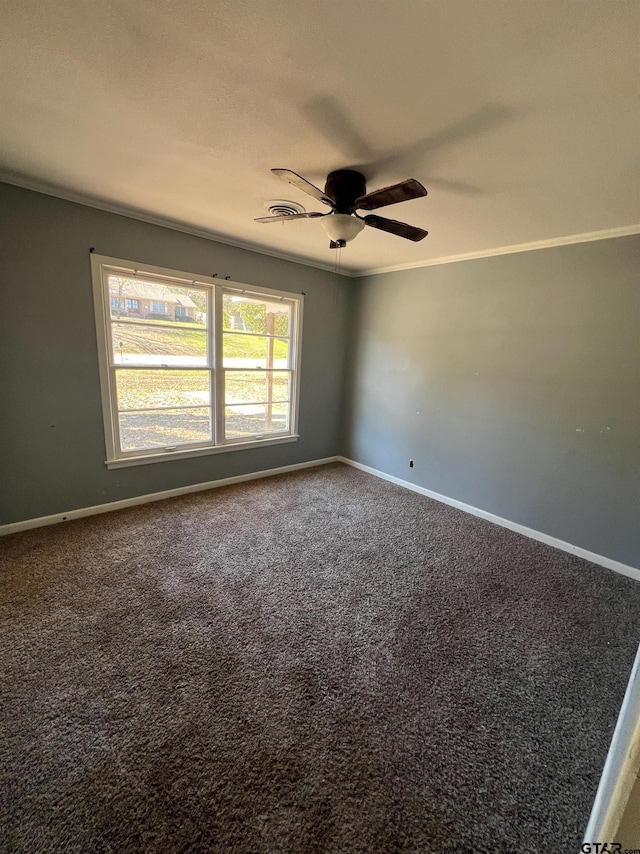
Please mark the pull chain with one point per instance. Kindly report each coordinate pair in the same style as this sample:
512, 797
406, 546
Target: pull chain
336, 270
338, 261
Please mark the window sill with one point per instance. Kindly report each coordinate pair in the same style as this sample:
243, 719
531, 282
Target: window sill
166, 456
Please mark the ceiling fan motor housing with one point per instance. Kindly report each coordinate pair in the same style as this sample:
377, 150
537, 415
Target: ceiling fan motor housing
345, 186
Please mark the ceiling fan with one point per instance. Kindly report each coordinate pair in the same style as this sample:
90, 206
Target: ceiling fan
345, 192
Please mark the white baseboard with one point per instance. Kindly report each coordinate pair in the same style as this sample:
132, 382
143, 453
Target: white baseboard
616, 566
39, 522
55, 518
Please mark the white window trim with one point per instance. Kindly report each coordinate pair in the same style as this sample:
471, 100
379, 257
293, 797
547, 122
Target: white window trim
101, 266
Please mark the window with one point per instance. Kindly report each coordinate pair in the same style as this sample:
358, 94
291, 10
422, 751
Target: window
131, 304
175, 389
159, 307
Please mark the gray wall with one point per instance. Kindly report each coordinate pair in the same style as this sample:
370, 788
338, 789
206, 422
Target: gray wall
51, 433
514, 384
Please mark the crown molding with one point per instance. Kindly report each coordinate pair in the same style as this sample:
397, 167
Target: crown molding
48, 189
586, 237
164, 222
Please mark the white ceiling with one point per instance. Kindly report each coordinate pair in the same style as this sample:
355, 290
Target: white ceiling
521, 118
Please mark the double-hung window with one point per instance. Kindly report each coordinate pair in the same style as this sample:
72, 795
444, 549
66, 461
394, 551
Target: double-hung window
225, 380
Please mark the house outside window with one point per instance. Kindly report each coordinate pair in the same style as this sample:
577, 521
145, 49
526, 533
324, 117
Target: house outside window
131, 304
158, 307
211, 385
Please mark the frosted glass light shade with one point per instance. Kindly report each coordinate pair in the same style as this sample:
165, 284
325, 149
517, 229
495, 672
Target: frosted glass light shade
342, 226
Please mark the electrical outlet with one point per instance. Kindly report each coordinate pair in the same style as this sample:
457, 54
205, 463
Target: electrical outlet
410, 464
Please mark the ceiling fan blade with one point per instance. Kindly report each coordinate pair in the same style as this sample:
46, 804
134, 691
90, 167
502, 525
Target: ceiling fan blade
411, 157
287, 217
455, 187
410, 189
401, 229
304, 185
334, 122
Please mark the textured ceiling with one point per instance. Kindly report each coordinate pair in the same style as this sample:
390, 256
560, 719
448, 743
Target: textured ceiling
521, 118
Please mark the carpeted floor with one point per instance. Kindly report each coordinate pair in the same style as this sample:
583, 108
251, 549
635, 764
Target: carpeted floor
317, 662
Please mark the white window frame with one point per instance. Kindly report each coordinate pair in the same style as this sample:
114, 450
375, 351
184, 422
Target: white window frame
101, 267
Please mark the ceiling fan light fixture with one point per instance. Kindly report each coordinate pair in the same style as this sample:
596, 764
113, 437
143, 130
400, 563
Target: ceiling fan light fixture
341, 228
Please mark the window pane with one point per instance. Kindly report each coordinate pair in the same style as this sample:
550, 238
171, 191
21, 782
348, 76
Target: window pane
250, 314
160, 429
256, 387
253, 420
130, 296
162, 357
254, 351
143, 344
139, 389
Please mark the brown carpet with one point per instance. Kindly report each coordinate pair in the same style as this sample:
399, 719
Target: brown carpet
317, 662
